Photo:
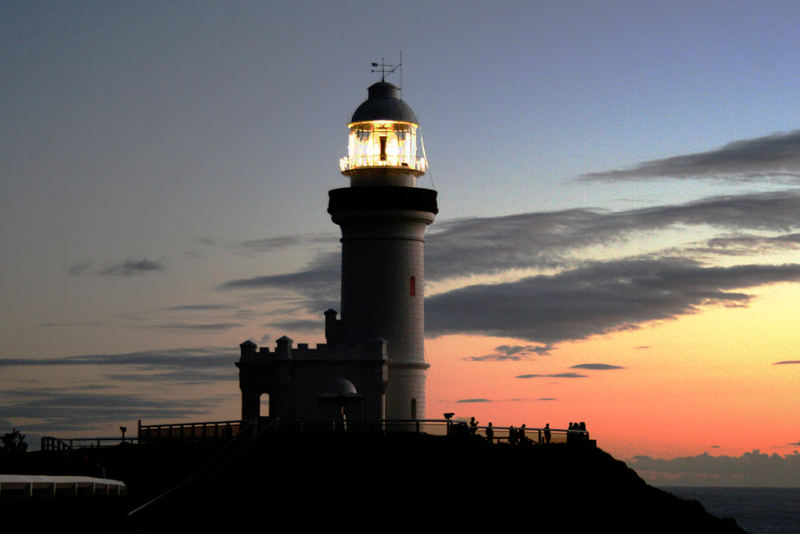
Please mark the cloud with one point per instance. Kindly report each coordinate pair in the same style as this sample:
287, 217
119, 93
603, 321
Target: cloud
61, 409
748, 245
199, 307
551, 240
482, 400
271, 244
319, 283
126, 268
771, 157
85, 323
81, 268
750, 469
599, 298
301, 325
583, 298
131, 268
787, 362
138, 378
179, 359
207, 327
596, 366
187, 376
557, 375
512, 353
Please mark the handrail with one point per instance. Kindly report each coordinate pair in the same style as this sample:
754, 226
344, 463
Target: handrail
189, 431
435, 426
226, 430
51, 443
500, 434
22, 487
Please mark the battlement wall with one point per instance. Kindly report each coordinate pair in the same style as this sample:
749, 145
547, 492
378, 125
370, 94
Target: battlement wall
284, 350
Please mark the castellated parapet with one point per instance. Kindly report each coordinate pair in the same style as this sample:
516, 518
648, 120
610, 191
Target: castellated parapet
314, 384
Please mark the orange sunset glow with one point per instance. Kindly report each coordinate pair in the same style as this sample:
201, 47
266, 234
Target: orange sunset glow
616, 191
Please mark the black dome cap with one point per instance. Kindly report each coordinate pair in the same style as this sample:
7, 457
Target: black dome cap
384, 104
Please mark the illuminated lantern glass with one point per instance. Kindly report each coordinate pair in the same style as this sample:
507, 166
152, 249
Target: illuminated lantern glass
382, 144
383, 134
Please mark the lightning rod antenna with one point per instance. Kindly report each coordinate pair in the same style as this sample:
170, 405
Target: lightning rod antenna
401, 75
385, 69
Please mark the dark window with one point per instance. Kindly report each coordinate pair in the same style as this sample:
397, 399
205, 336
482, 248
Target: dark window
383, 148
412, 286
413, 408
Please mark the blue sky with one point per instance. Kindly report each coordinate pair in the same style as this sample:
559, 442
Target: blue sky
152, 154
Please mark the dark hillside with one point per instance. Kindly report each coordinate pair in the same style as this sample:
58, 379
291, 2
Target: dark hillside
361, 481
413, 480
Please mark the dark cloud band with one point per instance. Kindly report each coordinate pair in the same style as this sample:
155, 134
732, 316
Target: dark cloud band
774, 156
125, 268
597, 366
583, 298
596, 299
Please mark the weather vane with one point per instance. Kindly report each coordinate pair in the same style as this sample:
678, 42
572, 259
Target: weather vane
385, 69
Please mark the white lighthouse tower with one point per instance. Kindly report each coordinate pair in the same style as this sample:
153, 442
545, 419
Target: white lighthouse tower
383, 216
372, 366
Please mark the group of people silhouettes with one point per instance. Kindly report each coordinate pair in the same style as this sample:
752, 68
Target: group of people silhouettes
517, 436
577, 432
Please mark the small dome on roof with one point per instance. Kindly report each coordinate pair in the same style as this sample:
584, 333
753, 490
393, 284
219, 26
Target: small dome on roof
340, 386
384, 103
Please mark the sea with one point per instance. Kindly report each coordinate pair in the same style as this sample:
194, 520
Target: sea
756, 510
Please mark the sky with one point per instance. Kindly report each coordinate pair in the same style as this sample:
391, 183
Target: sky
618, 240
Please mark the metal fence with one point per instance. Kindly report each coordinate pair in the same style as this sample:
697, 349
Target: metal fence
212, 430
50, 443
435, 427
224, 430
20, 487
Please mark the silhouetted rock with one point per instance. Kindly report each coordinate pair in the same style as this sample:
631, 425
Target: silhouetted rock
415, 480
368, 481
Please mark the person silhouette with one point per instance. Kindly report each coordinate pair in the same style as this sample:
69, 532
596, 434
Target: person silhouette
547, 432
489, 432
473, 426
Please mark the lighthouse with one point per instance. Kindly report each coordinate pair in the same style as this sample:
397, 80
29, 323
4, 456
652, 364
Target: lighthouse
383, 217
373, 363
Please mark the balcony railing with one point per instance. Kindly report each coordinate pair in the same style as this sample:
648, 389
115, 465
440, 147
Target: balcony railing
365, 162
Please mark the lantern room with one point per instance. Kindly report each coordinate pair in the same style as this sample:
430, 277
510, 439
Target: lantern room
383, 137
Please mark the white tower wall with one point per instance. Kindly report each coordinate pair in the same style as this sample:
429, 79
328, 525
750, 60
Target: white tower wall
383, 291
